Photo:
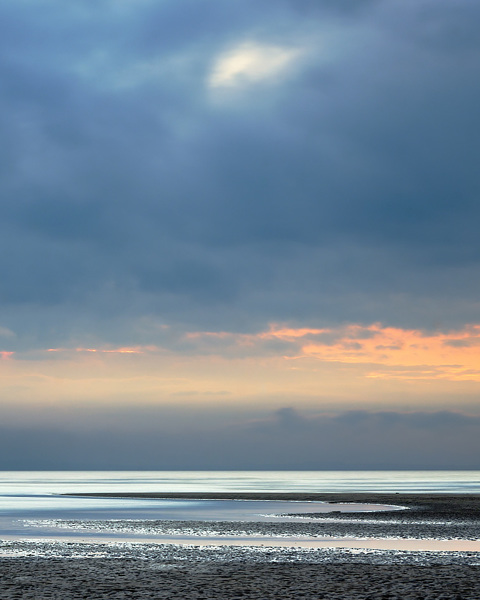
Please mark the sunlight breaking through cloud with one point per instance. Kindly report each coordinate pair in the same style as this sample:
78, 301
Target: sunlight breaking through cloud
250, 62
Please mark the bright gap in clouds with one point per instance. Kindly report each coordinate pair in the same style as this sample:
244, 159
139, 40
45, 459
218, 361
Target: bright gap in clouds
250, 62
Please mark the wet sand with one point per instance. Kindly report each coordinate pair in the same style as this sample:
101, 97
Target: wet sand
96, 579
68, 571
427, 516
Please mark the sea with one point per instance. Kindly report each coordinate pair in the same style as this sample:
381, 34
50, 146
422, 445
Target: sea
30, 493
32, 503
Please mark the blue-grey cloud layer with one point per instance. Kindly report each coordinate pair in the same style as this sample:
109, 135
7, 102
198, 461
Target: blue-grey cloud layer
346, 190
284, 440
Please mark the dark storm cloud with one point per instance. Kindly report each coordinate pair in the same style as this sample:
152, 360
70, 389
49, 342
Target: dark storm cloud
346, 190
284, 440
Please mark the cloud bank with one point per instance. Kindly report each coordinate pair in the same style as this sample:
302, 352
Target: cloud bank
222, 166
285, 439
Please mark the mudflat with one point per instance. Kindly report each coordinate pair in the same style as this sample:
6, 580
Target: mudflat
432, 506
98, 579
455, 501
71, 571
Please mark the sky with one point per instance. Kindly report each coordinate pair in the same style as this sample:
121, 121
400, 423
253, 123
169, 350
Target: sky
239, 235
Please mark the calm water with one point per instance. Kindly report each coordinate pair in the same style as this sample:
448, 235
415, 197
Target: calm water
33, 493
34, 482
29, 493
26, 497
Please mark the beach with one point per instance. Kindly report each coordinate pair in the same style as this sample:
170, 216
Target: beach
96, 579
70, 570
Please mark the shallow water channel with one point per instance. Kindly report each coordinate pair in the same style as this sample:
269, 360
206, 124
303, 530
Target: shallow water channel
101, 520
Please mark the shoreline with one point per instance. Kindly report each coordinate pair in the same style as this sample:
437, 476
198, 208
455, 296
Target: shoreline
156, 571
357, 497
435, 505
435, 517
450, 522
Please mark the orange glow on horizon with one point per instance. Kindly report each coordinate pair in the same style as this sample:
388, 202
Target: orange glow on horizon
449, 355
379, 352
397, 353
346, 364
122, 350
288, 333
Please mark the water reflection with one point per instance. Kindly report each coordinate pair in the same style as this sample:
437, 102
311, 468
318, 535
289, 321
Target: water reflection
34, 482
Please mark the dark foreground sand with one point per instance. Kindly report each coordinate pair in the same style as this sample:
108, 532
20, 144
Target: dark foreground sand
138, 579
71, 571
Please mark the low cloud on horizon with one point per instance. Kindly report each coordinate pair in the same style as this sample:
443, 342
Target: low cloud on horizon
284, 439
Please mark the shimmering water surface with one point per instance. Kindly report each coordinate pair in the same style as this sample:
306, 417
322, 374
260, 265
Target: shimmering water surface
58, 482
28, 498
27, 495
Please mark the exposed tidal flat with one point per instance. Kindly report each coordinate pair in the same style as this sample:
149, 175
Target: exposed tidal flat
199, 579
74, 569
